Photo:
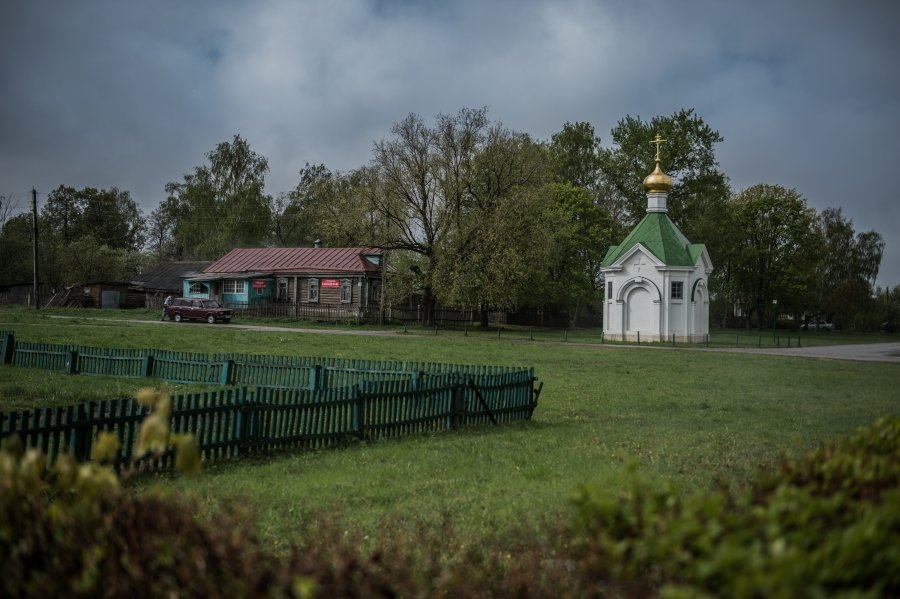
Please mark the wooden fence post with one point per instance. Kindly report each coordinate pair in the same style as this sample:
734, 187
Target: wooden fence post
72, 362
7, 347
318, 378
147, 366
79, 434
358, 412
458, 406
239, 425
227, 375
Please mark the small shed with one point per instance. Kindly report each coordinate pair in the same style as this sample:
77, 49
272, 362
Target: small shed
109, 295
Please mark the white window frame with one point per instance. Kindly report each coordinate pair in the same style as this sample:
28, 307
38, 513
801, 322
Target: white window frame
312, 291
234, 286
346, 286
679, 294
198, 287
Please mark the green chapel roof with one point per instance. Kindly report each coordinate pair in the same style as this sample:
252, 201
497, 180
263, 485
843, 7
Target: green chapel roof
658, 233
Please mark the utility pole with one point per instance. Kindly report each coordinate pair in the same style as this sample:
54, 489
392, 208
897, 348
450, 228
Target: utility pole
34, 253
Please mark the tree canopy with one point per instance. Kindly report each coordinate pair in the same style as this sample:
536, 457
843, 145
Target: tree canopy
775, 249
220, 205
688, 157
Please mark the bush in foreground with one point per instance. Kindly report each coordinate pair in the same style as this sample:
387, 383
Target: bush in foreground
826, 524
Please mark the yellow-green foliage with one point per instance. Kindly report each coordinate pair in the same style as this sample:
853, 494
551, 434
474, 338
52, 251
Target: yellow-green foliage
824, 525
155, 436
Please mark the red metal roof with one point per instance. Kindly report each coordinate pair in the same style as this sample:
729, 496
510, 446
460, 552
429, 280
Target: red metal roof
296, 260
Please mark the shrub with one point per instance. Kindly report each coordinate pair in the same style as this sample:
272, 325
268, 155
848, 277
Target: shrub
822, 525
826, 524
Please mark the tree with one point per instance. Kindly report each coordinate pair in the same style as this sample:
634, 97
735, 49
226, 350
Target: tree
8, 208
688, 157
591, 216
580, 230
497, 243
221, 205
295, 214
848, 268
423, 176
15, 248
15, 243
776, 245
111, 215
89, 259
454, 203
160, 234
329, 206
576, 156
78, 223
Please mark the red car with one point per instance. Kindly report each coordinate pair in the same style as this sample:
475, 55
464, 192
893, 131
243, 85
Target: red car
188, 308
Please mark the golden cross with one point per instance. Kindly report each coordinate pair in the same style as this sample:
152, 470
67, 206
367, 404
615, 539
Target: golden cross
658, 141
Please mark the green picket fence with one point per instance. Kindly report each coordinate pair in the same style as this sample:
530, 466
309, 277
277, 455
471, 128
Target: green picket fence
236, 421
290, 372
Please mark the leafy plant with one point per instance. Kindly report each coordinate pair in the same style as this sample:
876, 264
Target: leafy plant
825, 524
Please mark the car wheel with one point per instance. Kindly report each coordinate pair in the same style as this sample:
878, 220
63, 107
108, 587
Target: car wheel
177, 318
211, 319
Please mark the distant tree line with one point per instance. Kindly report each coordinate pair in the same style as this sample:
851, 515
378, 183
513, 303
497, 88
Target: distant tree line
481, 217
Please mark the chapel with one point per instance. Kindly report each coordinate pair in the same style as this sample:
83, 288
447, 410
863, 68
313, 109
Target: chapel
656, 280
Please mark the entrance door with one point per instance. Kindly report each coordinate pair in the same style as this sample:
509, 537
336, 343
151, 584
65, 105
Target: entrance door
639, 311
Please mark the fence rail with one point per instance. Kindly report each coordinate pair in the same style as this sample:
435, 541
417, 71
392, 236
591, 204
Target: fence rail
232, 422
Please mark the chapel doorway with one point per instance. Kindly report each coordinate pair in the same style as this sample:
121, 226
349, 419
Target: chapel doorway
639, 311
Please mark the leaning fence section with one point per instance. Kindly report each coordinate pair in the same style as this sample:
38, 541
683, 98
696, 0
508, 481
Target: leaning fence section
236, 421
267, 403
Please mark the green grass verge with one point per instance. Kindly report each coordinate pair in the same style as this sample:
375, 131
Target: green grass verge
718, 338
29, 388
689, 417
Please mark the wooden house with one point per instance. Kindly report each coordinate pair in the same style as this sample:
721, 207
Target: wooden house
344, 279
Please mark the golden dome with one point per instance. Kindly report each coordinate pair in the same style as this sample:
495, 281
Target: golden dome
658, 180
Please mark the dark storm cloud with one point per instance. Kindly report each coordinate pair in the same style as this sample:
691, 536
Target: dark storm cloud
99, 93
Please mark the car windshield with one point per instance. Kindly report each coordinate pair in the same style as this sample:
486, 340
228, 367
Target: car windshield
210, 304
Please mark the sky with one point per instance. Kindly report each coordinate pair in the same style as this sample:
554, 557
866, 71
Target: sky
106, 93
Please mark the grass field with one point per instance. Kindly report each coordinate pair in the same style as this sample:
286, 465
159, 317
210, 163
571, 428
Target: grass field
687, 416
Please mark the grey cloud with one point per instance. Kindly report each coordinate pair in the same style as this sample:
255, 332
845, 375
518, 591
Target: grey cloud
103, 92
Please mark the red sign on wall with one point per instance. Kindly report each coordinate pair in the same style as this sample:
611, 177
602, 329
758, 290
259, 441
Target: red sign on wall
331, 283
260, 283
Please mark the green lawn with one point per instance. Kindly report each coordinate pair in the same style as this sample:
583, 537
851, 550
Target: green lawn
747, 338
688, 416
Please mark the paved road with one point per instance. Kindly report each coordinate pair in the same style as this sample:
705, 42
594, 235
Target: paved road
865, 352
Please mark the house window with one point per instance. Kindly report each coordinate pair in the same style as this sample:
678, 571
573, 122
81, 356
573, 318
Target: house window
260, 291
346, 291
313, 295
609, 290
677, 290
199, 289
282, 290
233, 286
